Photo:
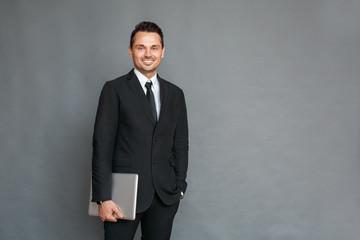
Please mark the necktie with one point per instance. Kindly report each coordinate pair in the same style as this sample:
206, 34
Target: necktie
151, 99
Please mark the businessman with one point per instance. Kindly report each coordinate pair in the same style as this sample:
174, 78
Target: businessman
141, 127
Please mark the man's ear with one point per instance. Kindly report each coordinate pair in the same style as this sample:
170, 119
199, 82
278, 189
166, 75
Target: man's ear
162, 52
130, 52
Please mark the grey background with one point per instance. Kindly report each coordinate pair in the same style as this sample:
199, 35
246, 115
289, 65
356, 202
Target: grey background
273, 98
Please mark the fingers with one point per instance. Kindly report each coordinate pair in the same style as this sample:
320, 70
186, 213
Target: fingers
106, 211
118, 212
109, 218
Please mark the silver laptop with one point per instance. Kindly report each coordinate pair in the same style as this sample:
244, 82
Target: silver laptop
124, 194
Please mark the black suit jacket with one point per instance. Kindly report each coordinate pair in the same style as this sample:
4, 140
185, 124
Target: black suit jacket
126, 139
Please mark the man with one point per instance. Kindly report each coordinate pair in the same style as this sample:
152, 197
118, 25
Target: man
141, 127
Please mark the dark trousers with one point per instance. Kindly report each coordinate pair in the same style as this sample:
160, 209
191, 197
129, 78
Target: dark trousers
156, 223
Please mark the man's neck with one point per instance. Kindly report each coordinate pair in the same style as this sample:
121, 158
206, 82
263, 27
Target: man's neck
147, 74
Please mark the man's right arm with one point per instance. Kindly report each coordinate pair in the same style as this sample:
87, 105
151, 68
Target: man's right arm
103, 142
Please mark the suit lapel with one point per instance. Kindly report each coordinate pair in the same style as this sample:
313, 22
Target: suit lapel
137, 88
163, 96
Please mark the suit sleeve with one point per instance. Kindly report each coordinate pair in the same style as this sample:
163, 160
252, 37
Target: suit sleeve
105, 131
181, 145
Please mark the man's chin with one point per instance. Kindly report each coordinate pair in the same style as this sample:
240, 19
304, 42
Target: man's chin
148, 69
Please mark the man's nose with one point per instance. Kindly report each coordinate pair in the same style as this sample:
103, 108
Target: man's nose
147, 52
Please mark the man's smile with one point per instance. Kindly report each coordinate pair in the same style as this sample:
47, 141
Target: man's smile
147, 61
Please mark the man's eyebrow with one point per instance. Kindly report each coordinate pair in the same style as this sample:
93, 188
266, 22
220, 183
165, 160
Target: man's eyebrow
142, 45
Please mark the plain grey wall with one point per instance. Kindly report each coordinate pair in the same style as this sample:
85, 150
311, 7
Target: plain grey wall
272, 88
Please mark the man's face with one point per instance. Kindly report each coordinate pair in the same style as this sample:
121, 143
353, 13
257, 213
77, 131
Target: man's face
147, 52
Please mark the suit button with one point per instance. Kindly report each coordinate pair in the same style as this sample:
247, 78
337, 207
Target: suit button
155, 162
156, 139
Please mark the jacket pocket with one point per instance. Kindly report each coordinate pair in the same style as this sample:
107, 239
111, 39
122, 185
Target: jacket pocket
172, 161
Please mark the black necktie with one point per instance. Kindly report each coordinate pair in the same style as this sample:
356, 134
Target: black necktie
151, 99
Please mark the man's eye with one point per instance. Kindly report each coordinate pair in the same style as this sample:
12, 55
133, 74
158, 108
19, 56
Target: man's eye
154, 48
140, 48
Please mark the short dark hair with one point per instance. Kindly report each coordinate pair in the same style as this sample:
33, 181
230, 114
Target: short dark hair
147, 27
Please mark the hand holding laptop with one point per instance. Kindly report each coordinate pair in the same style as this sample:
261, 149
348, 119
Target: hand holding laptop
124, 193
108, 211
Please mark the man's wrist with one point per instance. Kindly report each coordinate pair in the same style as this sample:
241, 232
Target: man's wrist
101, 202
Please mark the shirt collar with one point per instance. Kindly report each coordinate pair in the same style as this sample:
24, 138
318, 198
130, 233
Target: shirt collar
143, 79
